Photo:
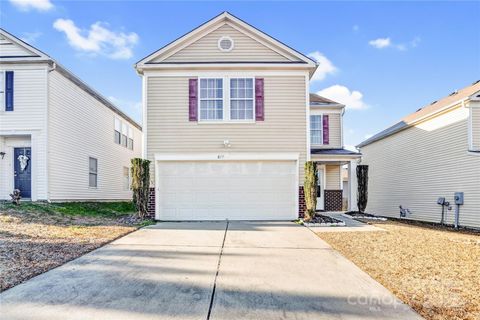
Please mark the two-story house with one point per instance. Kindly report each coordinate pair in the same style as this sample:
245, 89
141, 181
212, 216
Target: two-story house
229, 124
60, 140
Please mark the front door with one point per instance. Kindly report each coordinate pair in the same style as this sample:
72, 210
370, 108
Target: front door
320, 188
23, 171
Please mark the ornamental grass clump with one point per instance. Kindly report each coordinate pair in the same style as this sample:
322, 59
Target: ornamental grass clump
140, 173
310, 189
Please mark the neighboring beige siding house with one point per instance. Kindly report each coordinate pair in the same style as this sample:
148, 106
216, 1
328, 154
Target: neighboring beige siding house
59, 139
226, 123
432, 153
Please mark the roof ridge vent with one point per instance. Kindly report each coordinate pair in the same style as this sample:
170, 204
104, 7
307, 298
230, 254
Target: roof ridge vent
475, 82
433, 102
453, 93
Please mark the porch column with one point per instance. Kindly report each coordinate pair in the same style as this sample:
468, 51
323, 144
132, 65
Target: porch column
352, 185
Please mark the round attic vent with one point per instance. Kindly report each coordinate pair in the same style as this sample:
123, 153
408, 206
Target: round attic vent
225, 44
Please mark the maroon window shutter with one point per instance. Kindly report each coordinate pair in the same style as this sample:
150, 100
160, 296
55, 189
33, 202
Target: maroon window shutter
326, 133
192, 99
259, 104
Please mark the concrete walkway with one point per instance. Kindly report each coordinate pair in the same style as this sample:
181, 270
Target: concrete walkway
208, 270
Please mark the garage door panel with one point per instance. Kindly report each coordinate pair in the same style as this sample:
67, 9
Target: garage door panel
217, 190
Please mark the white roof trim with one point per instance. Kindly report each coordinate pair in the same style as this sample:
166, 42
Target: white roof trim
200, 31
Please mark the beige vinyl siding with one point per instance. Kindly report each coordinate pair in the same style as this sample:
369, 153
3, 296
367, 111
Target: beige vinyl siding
475, 125
10, 49
245, 48
29, 116
335, 131
81, 127
284, 128
414, 167
332, 175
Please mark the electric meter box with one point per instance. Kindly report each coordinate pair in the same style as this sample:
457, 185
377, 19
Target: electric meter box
458, 197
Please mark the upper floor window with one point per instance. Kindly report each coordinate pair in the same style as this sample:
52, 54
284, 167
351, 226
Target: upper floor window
241, 99
118, 131
316, 129
123, 134
226, 99
211, 99
130, 138
6, 90
474, 126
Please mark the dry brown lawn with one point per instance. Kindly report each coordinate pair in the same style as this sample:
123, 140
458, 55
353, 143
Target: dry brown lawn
32, 241
436, 271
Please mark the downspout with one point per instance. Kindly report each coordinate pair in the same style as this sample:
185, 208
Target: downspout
47, 137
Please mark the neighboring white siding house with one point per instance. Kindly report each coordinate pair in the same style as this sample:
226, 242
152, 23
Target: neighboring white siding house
226, 111
59, 123
430, 154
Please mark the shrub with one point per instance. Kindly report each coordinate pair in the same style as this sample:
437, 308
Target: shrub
362, 191
140, 173
310, 189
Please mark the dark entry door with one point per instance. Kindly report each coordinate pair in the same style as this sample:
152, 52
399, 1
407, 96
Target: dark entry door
23, 178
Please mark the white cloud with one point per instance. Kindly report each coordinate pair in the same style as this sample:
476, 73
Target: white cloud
351, 99
380, 43
99, 39
26, 5
30, 37
325, 66
355, 28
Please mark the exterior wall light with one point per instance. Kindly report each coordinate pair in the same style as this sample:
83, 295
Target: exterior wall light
2, 154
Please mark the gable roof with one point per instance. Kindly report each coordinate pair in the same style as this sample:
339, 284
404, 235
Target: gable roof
433, 108
207, 27
12, 48
317, 100
35, 55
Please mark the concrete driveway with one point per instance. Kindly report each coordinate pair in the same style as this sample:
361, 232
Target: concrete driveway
207, 270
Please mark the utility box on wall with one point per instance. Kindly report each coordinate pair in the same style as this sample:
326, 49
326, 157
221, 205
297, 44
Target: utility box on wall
458, 197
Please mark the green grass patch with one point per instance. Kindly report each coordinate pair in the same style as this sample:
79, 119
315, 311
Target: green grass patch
90, 209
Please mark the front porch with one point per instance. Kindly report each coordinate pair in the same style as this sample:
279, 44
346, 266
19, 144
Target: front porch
336, 191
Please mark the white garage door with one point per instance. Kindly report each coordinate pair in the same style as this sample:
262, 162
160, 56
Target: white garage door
217, 190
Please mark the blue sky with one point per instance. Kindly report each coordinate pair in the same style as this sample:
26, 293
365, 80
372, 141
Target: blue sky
383, 59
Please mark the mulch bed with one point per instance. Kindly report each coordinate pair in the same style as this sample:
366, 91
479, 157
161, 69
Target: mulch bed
32, 243
365, 216
434, 270
322, 220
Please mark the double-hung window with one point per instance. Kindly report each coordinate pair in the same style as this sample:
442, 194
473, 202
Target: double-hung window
130, 138
92, 172
124, 134
126, 178
316, 129
211, 99
226, 99
241, 99
118, 131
